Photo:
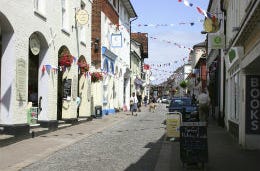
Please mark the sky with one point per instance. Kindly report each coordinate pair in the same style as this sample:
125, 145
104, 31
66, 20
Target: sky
173, 28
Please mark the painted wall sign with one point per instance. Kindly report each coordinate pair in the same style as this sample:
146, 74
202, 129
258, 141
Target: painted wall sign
116, 40
253, 104
75, 88
89, 90
20, 80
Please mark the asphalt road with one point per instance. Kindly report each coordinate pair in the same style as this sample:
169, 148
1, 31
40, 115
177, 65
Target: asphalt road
132, 144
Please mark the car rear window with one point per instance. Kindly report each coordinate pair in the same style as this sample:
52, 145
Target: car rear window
181, 102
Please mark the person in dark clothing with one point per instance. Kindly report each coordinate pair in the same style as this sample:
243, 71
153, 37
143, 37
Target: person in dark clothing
194, 100
145, 100
139, 104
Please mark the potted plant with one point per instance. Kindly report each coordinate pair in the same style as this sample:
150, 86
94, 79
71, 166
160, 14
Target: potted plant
96, 76
183, 84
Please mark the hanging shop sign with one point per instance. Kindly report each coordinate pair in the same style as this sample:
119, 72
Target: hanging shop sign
216, 40
82, 17
233, 55
252, 104
211, 25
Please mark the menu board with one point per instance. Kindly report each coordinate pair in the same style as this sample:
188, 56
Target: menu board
67, 89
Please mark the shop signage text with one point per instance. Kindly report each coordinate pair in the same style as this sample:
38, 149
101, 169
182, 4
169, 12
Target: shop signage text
252, 104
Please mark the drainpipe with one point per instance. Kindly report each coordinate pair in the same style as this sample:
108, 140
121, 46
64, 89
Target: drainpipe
221, 117
131, 47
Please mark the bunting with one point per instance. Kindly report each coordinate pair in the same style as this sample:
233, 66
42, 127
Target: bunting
187, 3
191, 23
146, 67
170, 42
200, 10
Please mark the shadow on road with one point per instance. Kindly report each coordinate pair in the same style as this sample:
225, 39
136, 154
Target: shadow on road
149, 160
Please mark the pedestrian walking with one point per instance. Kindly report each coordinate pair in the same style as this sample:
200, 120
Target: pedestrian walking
145, 100
152, 105
204, 102
194, 100
133, 104
139, 104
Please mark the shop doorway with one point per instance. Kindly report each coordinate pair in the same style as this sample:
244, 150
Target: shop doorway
33, 69
82, 92
0, 60
63, 85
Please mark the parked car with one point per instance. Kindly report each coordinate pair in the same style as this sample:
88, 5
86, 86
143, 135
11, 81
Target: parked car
165, 99
185, 106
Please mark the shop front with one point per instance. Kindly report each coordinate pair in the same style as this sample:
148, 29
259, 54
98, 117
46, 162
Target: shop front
108, 58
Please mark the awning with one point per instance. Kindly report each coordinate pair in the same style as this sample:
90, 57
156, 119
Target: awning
138, 81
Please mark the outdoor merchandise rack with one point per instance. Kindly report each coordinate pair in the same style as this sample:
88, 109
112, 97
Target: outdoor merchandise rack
193, 143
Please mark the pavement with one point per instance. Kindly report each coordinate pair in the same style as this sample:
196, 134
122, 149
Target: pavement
223, 152
18, 152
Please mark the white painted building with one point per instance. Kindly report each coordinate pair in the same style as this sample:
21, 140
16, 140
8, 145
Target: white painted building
32, 43
114, 91
242, 59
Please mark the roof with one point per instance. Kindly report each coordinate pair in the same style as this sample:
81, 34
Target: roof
201, 44
129, 7
143, 39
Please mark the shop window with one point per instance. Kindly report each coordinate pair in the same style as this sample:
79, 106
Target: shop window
105, 65
65, 15
39, 6
111, 69
234, 104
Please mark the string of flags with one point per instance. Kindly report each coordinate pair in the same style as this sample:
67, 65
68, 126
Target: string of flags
169, 64
50, 68
170, 42
200, 10
192, 23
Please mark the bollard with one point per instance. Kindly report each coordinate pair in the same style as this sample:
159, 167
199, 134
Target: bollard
33, 134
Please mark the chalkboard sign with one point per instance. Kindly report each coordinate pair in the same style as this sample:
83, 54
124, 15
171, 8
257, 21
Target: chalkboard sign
193, 142
67, 88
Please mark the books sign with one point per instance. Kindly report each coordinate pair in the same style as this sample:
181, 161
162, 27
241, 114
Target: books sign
252, 104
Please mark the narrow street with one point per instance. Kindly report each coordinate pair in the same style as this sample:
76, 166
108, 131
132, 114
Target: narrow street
133, 144
122, 142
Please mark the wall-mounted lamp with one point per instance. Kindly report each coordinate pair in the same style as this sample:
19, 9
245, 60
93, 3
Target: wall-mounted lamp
203, 32
235, 29
96, 45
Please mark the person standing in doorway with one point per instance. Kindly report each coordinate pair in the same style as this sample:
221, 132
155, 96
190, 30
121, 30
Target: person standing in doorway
133, 104
204, 102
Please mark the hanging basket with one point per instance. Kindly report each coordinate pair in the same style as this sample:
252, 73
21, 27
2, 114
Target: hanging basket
66, 60
96, 77
84, 67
